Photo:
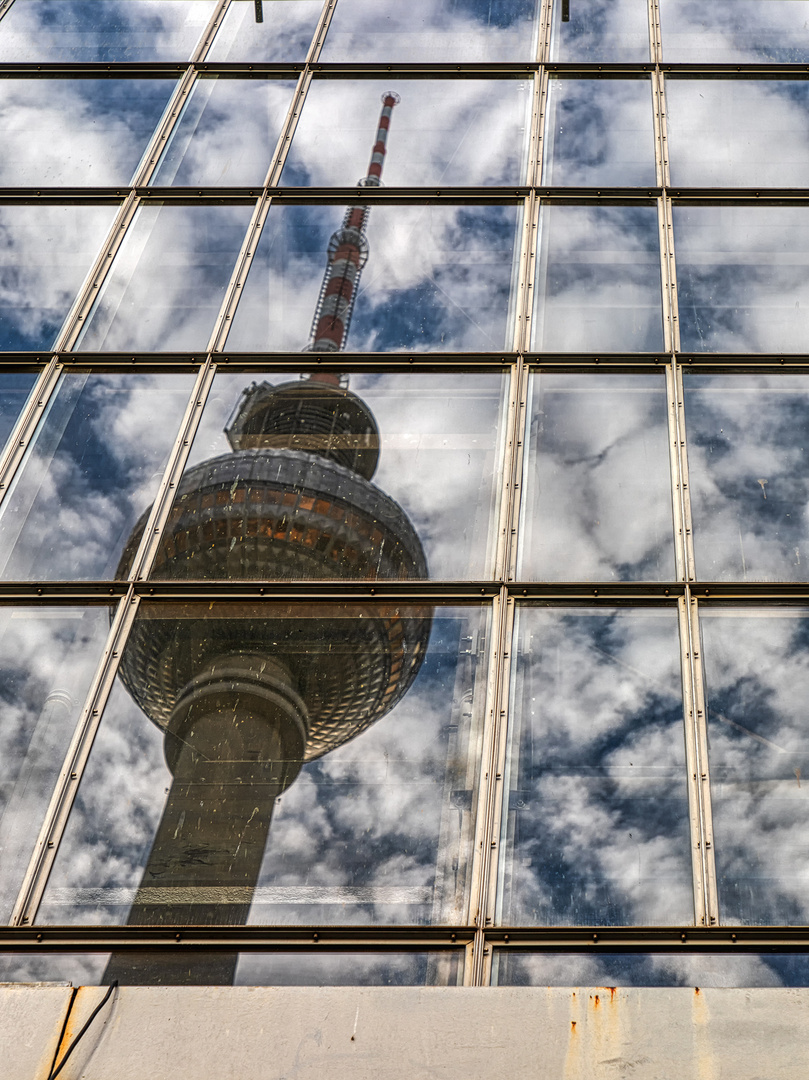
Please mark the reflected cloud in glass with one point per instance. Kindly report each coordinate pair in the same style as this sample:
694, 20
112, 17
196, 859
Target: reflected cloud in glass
168, 280
77, 132
743, 277
733, 31
599, 131
48, 656
464, 133
595, 831
93, 465
285, 34
45, 254
430, 30
14, 390
87, 31
439, 278
598, 458
749, 471
227, 132
757, 676
614, 30
598, 280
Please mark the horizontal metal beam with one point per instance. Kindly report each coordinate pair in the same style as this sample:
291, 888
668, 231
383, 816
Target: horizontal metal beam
653, 938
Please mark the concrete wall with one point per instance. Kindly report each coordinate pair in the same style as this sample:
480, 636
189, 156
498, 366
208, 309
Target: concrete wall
305, 1033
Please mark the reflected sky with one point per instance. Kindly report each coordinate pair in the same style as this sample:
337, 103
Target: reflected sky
45, 254
735, 31
168, 279
596, 827
430, 30
701, 969
378, 830
748, 463
14, 390
48, 655
85, 31
285, 33
77, 132
93, 466
616, 30
227, 132
441, 445
598, 458
598, 280
743, 277
757, 676
739, 133
438, 278
462, 133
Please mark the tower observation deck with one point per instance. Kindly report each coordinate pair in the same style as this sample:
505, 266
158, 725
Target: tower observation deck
244, 700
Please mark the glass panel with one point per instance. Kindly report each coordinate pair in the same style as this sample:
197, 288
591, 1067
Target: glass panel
749, 468
738, 133
278, 481
743, 276
14, 391
168, 279
512, 968
87, 31
756, 674
598, 281
77, 132
597, 502
48, 656
429, 30
45, 254
285, 33
195, 966
614, 30
733, 31
93, 466
378, 826
599, 131
596, 827
464, 133
227, 132
438, 279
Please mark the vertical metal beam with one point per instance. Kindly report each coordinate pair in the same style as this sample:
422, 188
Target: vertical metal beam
322, 28
693, 766
701, 732
4, 6
545, 26
655, 48
23, 431
56, 817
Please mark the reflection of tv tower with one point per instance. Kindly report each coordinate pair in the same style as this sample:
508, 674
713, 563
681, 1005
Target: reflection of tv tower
245, 696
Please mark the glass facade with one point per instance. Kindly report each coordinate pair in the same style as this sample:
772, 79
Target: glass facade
403, 559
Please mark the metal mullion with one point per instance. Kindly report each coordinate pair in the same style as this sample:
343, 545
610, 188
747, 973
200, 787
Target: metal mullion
4, 6
655, 40
27, 422
538, 133
660, 130
209, 33
524, 291
78, 752
701, 729
692, 765
322, 28
685, 490
161, 507
544, 36
509, 474
671, 332
675, 456
515, 480
160, 138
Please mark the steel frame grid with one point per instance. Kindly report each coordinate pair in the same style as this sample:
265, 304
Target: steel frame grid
502, 593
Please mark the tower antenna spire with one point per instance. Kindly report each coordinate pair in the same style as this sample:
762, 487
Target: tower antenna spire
348, 253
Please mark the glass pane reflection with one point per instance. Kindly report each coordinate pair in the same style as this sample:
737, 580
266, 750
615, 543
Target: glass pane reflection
168, 279
227, 132
430, 30
598, 280
756, 674
45, 254
743, 274
733, 31
285, 33
14, 390
377, 829
78, 31
738, 133
598, 458
95, 461
48, 656
512, 968
438, 279
286, 500
748, 462
599, 131
465, 133
77, 132
615, 30
596, 827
